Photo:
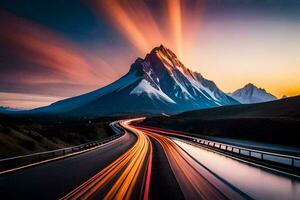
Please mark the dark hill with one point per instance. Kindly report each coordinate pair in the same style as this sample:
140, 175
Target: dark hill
272, 122
288, 107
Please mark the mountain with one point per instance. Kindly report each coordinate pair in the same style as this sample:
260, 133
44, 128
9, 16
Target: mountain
4, 109
252, 94
159, 83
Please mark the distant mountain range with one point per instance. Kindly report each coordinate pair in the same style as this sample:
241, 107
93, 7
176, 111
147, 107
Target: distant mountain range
159, 83
4, 109
252, 94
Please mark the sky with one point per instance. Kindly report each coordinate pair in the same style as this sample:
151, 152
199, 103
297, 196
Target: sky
55, 49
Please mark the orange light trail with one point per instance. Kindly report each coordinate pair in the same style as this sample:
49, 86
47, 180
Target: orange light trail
130, 165
196, 182
123, 173
193, 185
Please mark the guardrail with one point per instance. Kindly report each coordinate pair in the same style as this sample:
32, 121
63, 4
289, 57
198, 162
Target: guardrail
17, 161
292, 162
287, 160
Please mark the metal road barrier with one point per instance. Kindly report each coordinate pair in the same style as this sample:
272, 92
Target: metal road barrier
287, 160
17, 161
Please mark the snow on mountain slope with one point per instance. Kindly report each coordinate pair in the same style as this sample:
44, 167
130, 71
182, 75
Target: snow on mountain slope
252, 94
145, 87
187, 84
75, 102
159, 83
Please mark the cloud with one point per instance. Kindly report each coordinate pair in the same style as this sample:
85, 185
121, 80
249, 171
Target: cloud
145, 26
38, 46
25, 101
35, 60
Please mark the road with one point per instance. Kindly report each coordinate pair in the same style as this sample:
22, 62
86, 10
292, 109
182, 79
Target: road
144, 164
55, 179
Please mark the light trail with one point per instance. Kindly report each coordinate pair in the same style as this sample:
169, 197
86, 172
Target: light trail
125, 170
197, 174
119, 179
195, 182
191, 183
165, 132
256, 180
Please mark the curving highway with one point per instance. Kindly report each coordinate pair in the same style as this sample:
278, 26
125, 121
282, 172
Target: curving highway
53, 180
146, 163
122, 175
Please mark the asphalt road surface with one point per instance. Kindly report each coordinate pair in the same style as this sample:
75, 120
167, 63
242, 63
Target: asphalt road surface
55, 179
144, 164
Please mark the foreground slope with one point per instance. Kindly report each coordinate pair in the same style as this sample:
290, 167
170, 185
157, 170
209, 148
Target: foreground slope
159, 83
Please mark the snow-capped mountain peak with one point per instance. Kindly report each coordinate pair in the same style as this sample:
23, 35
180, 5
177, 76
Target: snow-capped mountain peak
167, 58
179, 81
159, 83
252, 94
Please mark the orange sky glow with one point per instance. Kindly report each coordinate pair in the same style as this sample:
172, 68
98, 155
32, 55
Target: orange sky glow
228, 50
232, 56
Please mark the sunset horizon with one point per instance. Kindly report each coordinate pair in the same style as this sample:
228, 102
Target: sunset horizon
232, 44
